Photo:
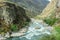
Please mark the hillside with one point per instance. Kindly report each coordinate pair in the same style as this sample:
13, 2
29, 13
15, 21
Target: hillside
51, 14
48, 10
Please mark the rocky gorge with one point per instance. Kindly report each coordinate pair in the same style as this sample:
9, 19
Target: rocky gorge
15, 24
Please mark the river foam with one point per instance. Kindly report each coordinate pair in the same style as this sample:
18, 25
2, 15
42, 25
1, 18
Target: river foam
37, 28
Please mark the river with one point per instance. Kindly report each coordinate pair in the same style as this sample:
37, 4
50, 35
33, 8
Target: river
36, 30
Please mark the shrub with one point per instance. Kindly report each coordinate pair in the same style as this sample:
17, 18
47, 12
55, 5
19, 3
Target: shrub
50, 21
14, 27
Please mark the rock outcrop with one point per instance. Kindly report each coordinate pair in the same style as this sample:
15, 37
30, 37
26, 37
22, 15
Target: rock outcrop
12, 17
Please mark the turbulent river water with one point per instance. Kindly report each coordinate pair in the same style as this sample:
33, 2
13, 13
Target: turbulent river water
35, 31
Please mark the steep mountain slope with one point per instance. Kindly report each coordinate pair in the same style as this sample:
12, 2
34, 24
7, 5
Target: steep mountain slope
48, 10
51, 14
33, 7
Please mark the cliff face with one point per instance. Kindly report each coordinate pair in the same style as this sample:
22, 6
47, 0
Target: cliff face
12, 16
32, 7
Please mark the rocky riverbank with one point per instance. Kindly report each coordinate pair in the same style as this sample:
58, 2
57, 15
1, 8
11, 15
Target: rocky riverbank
14, 34
36, 27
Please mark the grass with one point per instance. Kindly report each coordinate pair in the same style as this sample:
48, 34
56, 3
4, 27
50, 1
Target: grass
47, 37
57, 28
51, 21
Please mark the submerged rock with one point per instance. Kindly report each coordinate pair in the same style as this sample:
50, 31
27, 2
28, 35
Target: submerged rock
37, 27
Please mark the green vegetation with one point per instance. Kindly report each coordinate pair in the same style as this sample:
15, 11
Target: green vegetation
50, 21
53, 21
47, 37
57, 28
51, 37
25, 23
54, 36
57, 36
14, 27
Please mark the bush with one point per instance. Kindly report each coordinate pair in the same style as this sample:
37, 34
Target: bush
50, 21
14, 28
